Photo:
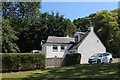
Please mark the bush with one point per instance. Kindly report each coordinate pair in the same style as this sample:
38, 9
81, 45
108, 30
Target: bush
72, 59
22, 61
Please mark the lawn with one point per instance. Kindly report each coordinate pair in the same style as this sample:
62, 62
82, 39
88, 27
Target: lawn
69, 72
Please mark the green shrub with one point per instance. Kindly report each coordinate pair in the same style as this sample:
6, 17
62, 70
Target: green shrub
72, 59
22, 61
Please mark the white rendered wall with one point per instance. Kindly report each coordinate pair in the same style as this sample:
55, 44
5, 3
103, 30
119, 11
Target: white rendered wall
91, 45
44, 48
60, 54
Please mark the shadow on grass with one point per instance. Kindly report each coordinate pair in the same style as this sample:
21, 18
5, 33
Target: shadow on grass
86, 71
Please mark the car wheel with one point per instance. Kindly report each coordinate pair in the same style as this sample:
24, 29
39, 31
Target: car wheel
98, 61
110, 61
90, 63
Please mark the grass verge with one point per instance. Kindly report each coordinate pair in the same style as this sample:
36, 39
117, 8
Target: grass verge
69, 72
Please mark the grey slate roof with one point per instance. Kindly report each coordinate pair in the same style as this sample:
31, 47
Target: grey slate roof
64, 40
76, 45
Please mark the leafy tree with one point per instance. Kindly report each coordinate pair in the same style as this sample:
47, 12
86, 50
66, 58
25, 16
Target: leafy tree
22, 16
114, 45
8, 37
70, 28
21, 10
60, 26
32, 26
83, 23
106, 28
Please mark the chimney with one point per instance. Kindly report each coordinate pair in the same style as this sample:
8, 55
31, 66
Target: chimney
90, 28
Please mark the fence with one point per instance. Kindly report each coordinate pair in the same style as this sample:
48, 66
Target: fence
54, 62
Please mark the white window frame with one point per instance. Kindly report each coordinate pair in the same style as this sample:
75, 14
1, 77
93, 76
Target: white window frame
76, 38
61, 48
55, 50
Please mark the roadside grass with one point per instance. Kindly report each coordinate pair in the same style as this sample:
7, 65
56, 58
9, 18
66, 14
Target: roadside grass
69, 72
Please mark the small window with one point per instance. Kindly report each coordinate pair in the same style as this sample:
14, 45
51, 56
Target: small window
62, 47
76, 38
55, 48
97, 41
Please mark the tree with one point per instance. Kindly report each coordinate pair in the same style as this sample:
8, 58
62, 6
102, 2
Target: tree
83, 23
106, 28
22, 16
8, 37
114, 45
21, 10
70, 28
32, 26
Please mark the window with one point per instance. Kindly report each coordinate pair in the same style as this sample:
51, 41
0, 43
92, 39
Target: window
76, 38
97, 41
62, 47
55, 48
104, 54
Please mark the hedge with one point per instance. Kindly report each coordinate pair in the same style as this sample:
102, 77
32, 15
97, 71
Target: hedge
72, 59
22, 61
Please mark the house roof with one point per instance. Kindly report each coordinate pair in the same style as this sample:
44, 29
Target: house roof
64, 40
76, 45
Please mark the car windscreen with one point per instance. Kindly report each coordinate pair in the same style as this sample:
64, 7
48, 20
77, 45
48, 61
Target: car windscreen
95, 55
104, 54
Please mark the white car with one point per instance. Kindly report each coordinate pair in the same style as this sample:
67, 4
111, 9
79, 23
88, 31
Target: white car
100, 58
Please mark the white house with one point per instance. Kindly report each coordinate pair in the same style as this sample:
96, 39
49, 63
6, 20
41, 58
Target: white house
57, 46
85, 43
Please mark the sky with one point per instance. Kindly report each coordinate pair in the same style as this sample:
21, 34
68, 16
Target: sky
74, 10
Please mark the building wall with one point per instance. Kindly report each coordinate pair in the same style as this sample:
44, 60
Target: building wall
60, 54
44, 48
91, 45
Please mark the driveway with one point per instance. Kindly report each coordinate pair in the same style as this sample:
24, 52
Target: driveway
116, 60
